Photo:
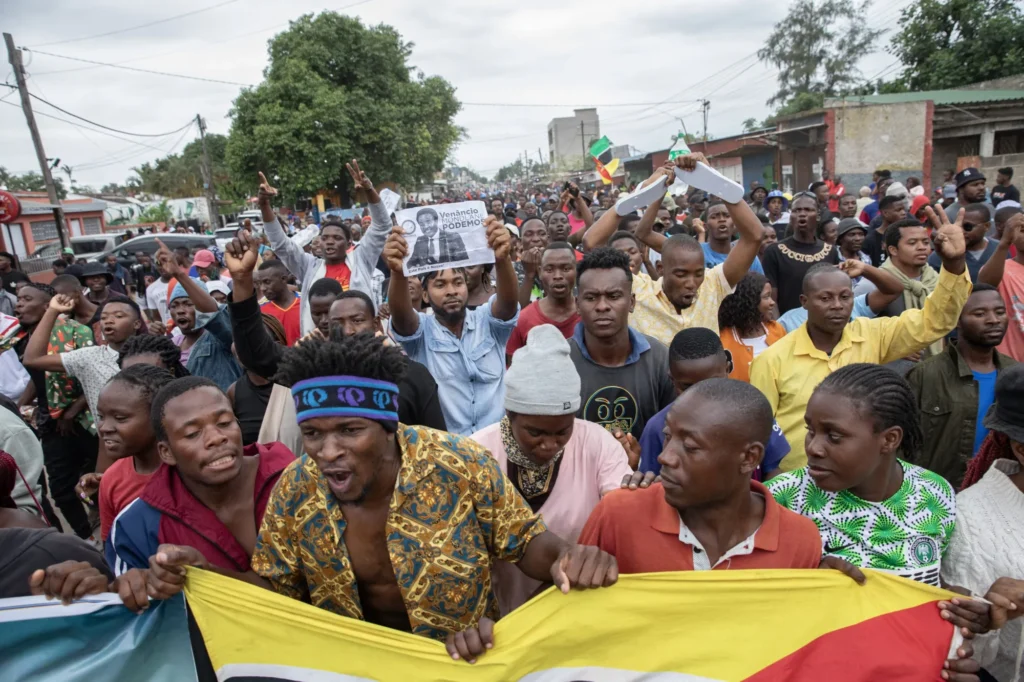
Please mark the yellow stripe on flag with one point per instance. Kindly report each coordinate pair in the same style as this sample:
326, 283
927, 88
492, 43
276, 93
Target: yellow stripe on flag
716, 625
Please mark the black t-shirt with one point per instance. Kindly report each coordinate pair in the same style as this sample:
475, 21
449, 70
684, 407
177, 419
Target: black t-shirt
1001, 194
250, 407
874, 246
786, 262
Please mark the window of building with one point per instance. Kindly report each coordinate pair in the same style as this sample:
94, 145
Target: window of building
93, 226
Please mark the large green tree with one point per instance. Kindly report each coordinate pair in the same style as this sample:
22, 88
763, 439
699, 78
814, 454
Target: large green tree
950, 43
178, 176
336, 90
817, 46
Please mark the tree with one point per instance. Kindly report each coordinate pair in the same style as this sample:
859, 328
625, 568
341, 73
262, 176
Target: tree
950, 43
336, 90
30, 182
178, 176
157, 213
750, 124
817, 46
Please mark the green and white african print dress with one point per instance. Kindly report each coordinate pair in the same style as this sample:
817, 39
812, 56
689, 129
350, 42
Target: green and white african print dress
906, 534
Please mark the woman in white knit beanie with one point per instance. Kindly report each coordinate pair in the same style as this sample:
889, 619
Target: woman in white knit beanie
561, 465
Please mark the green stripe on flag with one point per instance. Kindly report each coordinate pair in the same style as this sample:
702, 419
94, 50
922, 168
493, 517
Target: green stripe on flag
602, 150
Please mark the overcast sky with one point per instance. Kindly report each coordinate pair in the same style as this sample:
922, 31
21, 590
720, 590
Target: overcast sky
502, 52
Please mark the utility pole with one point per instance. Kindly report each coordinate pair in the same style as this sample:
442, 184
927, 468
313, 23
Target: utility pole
14, 56
705, 105
583, 146
211, 196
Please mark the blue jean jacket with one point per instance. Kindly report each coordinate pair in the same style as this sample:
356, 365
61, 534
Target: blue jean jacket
211, 355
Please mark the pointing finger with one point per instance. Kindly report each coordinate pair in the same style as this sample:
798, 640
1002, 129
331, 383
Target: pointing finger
263, 179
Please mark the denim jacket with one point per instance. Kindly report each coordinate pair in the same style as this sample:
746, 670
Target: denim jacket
211, 355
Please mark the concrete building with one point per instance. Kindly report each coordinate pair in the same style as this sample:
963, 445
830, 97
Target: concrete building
569, 138
919, 134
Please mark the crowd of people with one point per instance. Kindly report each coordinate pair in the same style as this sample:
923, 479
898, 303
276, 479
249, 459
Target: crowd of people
823, 380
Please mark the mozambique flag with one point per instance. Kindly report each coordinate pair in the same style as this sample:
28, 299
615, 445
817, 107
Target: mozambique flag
714, 626
601, 152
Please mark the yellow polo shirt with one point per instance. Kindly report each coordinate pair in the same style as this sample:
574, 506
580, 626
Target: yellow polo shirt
789, 371
655, 315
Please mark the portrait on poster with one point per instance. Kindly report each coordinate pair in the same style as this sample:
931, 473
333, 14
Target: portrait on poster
445, 236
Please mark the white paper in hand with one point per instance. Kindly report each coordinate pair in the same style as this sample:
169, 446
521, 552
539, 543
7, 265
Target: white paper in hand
711, 181
445, 236
390, 200
642, 197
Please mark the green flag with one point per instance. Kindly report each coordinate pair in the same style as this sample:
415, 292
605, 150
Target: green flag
602, 150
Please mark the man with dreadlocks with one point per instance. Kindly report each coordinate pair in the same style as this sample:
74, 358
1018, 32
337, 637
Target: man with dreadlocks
986, 553
367, 523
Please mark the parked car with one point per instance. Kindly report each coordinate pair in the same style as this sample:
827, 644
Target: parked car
147, 244
86, 247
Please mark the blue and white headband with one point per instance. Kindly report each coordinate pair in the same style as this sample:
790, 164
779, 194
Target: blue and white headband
346, 396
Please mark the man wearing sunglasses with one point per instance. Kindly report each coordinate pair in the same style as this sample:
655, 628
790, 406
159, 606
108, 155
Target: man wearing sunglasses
977, 223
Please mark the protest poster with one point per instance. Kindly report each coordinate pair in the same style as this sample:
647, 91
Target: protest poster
445, 236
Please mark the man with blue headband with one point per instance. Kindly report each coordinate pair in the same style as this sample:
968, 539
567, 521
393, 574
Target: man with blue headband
398, 525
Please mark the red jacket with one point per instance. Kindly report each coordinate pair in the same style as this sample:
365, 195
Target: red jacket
167, 513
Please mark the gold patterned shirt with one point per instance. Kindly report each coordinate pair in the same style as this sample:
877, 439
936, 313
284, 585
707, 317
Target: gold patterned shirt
655, 315
452, 515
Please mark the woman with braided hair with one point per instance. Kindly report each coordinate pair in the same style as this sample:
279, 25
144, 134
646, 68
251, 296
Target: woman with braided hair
873, 509
124, 426
986, 554
159, 351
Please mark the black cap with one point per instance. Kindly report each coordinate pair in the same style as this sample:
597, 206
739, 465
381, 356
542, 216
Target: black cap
847, 224
967, 175
1007, 412
94, 270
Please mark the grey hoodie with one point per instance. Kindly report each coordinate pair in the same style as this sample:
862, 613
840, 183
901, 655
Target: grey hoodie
24, 550
308, 268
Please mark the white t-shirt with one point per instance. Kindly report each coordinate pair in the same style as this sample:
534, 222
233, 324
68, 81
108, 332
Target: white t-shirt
93, 367
758, 344
156, 299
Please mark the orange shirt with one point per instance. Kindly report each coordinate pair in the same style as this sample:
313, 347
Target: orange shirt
341, 273
641, 530
742, 354
290, 318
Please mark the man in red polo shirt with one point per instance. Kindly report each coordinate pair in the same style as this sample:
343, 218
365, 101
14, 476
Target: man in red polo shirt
706, 513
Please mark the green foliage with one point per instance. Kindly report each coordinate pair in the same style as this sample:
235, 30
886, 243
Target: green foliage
950, 43
817, 46
160, 213
750, 124
336, 90
30, 182
179, 176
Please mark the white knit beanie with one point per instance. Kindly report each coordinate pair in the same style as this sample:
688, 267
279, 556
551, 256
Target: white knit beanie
543, 379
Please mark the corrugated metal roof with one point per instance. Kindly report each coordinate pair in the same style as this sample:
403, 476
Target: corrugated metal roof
937, 96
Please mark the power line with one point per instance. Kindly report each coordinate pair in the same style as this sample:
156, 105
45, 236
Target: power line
220, 41
578, 106
114, 162
132, 68
100, 125
100, 132
134, 28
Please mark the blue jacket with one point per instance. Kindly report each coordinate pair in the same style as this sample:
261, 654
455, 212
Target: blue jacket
211, 355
